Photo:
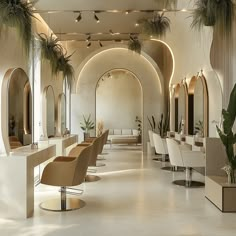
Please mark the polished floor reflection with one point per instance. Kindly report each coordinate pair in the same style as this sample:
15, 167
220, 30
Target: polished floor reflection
133, 197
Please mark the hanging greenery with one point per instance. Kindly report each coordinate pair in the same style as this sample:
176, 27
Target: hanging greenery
134, 44
156, 26
18, 14
213, 13
59, 62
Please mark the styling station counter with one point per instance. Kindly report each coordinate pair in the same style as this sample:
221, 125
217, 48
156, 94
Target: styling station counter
62, 143
17, 179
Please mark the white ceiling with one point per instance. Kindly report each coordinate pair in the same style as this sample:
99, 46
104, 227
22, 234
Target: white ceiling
60, 16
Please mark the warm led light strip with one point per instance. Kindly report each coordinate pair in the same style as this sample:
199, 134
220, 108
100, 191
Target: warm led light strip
113, 11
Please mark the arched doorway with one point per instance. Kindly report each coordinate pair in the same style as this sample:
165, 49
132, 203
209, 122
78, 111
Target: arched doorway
119, 100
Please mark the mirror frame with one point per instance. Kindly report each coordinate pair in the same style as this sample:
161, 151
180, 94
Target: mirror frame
192, 85
44, 110
59, 113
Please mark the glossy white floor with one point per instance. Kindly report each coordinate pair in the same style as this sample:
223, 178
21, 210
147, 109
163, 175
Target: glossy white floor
134, 197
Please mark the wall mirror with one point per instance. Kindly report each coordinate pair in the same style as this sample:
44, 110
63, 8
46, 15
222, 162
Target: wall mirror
19, 108
183, 107
61, 114
198, 116
49, 127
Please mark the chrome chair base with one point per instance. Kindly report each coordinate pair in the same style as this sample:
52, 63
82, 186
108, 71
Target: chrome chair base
188, 184
57, 205
173, 168
100, 164
92, 178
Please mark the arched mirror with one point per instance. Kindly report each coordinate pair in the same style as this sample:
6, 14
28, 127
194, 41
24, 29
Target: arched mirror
176, 109
18, 108
198, 116
183, 108
61, 113
49, 126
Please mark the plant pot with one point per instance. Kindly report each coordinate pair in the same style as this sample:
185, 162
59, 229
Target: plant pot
86, 136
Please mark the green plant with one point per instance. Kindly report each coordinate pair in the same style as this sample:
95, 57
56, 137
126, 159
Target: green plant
134, 44
18, 14
53, 51
212, 13
87, 124
139, 122
199, 128
152, 123
163, 126
226, 134
156, 26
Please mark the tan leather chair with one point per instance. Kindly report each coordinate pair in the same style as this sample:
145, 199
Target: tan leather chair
66, 172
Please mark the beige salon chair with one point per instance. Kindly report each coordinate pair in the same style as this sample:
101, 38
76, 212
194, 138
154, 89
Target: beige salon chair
181, 155
93, 158
66, 172
152, 145
160, 146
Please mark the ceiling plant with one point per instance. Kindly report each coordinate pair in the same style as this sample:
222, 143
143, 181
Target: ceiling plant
18, 14
134, 44
54, 52
227, 136
157, 26
213, 13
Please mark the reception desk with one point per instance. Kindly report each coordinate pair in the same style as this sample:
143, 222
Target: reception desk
17, 180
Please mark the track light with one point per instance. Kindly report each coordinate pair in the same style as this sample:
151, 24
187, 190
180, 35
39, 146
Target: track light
78, 18
89, 44
88, 38
96, 18
111, 32
100, 43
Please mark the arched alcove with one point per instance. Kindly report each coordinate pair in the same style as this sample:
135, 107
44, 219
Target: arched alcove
113, 110
92, 69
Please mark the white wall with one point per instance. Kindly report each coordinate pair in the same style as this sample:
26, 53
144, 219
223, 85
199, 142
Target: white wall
99, 63
118, 100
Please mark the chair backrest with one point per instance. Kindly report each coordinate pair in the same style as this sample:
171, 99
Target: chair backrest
174, 152
96, 148
106, 132
82, 165
159, 144
150, 133
102, 141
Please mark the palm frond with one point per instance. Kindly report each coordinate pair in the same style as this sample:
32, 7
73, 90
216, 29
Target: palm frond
18, 14
156, 26
53, 51
134, 45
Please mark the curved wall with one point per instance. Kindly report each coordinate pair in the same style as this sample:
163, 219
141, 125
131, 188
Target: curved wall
102, 61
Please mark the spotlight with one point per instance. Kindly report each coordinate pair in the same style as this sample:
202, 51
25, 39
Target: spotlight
136, 24
78, 18
89, 44
88, 38
111, 32
96, 18
100, 43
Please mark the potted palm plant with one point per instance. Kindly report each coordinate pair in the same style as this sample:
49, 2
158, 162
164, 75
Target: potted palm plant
227, 136
86, 125
213, 13
134, 44
158, 25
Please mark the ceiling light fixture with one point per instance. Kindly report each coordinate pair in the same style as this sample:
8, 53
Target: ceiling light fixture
78, 18
96, 17
89, 44
88, 38
100, 43
111, 32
